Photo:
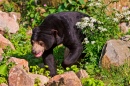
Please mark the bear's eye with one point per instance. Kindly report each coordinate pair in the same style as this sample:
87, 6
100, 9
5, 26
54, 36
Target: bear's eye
40, 43
32, 42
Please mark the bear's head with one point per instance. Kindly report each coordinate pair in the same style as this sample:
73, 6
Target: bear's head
41, 40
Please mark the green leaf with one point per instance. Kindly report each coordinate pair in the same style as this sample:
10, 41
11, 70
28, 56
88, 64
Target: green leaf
81, 1
74, 3
32, 15
52, 10
70, 1
3, 69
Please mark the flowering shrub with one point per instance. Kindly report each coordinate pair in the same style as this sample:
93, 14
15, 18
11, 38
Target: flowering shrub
89, 24
123, 16
98, 29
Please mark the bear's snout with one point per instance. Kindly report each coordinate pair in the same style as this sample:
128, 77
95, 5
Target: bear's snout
37, 50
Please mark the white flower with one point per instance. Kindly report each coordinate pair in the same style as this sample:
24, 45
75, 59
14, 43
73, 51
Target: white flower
102, 29
98, 4
91, 25
93, 20
125, 8
99, 0
128, 18
100, 22
86, 40
117, 14
128, 12
92, 42
91, 4
125, 13
115, 19
86, 19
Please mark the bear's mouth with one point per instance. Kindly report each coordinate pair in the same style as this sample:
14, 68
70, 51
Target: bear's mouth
39, 54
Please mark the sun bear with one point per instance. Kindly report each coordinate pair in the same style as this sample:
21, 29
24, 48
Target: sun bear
58, 28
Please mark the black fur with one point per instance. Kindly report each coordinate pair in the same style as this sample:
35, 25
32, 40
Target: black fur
60, 28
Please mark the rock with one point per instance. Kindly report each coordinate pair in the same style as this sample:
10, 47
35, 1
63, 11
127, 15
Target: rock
124, 27
3, 84
1, 32
115, 53
21, 63
15, 16
5, 42
66, 79
18, 77
82, 74
43, 79
8, 23
125, 38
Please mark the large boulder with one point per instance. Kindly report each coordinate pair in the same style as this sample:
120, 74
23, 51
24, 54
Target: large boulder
8, 23
115, 53
19, 74
18, 77
21, 63
43, 79
66, 79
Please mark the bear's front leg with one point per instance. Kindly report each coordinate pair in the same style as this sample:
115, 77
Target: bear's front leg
74, 53
48, 59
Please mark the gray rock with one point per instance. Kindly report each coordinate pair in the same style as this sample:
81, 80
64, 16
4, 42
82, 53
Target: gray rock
115, 52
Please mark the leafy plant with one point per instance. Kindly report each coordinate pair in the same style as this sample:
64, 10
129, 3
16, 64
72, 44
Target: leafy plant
37, 70
72, 5
98, 29
31, 14
4, 69
73, 68
92, 82
37, 82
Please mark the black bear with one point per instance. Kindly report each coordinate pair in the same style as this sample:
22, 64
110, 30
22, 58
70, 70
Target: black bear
58, 28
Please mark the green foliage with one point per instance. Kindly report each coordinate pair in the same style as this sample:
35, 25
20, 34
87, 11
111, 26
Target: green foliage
72, 5
97, 33
37, 70
8, 7
37, 82
116, 76
92, 82
3, 72
73, 68
30, 13
4, 69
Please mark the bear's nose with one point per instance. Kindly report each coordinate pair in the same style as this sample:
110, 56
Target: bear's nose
33, 51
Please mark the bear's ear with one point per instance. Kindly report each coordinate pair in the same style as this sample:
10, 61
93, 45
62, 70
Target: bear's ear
54, 32
57, 37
